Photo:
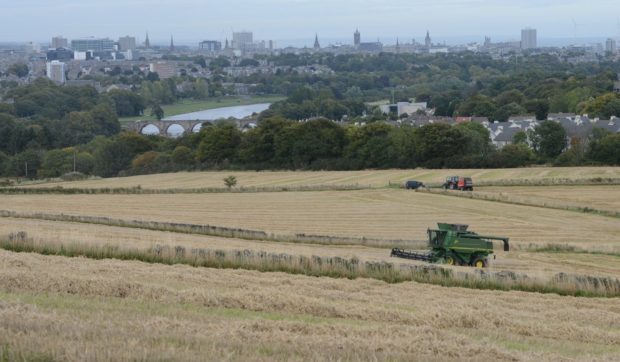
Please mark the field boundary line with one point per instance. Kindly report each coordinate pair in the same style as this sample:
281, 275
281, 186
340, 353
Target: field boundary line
138, 190
507, 200
219, 231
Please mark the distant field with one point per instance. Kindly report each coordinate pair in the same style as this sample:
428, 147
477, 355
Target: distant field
56, 308
189, 106
384, 213
596, 197
372, 178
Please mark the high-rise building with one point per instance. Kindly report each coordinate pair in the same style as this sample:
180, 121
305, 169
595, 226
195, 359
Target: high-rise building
242, 40
210, 45
95, 44
528, 39
610, 46
59, 42
126, 43
357, 38
56, 71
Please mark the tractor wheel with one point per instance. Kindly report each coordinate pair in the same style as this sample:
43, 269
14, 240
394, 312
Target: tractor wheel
480, 263
450, 260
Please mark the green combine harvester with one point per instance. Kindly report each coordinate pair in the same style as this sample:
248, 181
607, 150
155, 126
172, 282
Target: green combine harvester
452, 244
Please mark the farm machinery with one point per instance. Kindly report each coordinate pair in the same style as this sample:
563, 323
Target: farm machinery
453, 244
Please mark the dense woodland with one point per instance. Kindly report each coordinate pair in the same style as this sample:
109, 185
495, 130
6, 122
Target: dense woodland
49, 130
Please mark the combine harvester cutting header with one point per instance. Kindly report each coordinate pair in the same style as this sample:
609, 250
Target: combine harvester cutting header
452, 244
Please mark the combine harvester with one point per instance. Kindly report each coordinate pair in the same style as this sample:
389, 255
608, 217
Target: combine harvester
452, 244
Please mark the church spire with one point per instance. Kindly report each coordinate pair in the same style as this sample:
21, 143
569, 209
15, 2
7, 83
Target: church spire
171, 44
427, 41
317, 45
147, 42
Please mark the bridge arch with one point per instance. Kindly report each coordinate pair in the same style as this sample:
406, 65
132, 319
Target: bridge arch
198, 126
175, 130
149, 129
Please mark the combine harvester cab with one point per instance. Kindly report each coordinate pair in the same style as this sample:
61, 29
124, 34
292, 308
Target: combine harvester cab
453, 244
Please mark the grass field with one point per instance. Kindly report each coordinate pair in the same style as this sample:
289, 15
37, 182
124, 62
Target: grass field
78, 308
189, 106
189, 180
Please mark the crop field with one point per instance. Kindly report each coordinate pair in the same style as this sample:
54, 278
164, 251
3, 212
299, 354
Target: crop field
384, 213
605, 198
196, 180
93, 289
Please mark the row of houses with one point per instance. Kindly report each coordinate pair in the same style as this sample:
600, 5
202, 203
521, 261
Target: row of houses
503, 133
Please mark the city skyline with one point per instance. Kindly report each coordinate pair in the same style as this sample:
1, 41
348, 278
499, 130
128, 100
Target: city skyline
292, 24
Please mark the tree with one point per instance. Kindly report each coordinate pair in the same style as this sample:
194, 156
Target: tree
549, 139
230, 182
520, 138
539, 107
19, 69
603, 106
219, 143
607, 150
157, 111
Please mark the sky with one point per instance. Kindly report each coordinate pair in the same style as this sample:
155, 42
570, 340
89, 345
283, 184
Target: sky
295, 22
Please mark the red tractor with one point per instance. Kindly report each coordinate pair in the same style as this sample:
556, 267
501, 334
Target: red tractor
459, 183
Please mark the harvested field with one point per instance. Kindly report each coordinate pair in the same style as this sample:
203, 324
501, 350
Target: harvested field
392, 214
535, 264
196, 180
50, 304
605, 198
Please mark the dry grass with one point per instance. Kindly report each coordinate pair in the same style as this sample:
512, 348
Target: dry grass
78, 309
385, 214
197, 180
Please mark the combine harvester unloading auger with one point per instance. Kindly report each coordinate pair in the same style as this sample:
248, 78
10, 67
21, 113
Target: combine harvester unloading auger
452, 244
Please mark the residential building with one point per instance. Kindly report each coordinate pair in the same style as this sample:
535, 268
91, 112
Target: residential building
401, 108
126, 43
242, 40
610, 46
528, 39
97, 45
56, 71
210, 45
59, 42
163, 69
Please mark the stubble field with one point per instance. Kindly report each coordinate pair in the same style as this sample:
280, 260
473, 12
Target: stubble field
76, 308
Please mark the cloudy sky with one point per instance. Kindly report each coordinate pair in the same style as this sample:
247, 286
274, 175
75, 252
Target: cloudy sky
289, 21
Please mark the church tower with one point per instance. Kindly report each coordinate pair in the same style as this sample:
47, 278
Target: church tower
317, 45
357, 38
427, 41
171, 44
147, 42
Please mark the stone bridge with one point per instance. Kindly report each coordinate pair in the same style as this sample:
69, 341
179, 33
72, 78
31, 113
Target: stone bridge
176, 128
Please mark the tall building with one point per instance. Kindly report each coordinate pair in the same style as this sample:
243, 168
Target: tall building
242, 40
211, 45
427, 40
171, 44
126, 43
59, 42
147, 42
528, 38
357, 38
610, 46
317, 45
97, 45
56, 71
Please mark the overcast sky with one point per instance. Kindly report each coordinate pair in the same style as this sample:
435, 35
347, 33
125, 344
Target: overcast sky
288, 20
